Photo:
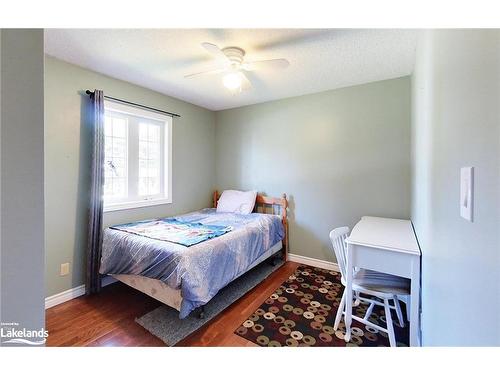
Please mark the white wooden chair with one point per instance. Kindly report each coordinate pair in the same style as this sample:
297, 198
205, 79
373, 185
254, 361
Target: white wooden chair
371, 283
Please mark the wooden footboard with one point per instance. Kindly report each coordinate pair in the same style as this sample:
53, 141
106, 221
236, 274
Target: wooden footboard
269, 205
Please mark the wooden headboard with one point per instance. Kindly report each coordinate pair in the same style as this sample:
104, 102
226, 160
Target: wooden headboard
269, 205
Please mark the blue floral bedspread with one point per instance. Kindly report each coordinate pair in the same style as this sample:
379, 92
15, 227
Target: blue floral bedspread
173, 230
200, 270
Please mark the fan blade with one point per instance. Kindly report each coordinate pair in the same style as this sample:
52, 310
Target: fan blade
215, 51
266, 64
208, 72
245, 82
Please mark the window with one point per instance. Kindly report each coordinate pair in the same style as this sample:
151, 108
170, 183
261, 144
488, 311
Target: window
137, 157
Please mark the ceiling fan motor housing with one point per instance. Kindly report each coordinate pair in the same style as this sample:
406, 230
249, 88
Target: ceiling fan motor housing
234, 54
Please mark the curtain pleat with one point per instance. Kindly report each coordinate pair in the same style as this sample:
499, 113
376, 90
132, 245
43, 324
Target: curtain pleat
93, 278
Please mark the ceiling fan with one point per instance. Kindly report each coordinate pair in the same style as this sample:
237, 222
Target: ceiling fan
234, 66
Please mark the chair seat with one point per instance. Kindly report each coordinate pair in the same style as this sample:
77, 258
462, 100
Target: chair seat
381, 282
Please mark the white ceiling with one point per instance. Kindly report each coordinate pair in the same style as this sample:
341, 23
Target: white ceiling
320, 59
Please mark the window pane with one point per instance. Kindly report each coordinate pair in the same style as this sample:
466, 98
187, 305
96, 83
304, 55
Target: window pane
153, 168
119, 167
119, 187
119, 148
108, 170
150, 164
119, 127
143, 132
143, 150
143, 185
143, 168
153, 151
108, 129
108, 186
115, 157
154, 133
108, 147
154, 185
149, 132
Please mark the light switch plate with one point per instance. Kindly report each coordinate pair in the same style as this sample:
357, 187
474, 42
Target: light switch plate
466, 192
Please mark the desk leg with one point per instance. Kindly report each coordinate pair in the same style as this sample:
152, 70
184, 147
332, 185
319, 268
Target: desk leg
348, 294
415, 303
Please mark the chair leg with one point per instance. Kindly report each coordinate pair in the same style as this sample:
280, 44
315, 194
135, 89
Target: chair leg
388, 319
369, 311
398, 311
339, 312
357, 301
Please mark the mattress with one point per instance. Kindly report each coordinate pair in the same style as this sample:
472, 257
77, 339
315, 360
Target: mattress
198, 271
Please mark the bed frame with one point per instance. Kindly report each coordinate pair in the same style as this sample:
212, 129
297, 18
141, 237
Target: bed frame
269, 205
172, 297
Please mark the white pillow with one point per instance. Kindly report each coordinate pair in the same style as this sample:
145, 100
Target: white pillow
238, 202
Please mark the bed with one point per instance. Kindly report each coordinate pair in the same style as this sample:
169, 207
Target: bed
187, 277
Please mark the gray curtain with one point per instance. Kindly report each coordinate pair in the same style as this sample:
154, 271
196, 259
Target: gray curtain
93, 279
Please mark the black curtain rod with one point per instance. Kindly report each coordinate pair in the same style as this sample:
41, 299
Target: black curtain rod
88, 92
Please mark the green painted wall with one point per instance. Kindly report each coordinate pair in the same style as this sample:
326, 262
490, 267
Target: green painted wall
21, 179
456, 123
339, 155
67, 163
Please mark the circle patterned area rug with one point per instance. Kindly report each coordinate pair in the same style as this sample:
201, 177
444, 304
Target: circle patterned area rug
301, 312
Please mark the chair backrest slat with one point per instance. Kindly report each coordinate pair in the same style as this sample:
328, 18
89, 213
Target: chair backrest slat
338, 237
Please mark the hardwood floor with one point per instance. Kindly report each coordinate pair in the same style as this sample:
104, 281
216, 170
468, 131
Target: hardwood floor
107, 319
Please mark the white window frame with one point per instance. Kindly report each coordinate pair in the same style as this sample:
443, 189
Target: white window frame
166, 197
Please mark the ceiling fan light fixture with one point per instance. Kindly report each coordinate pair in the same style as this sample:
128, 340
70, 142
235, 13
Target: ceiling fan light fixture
233, 64
232, 81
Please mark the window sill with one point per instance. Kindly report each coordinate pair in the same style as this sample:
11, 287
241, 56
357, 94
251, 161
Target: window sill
139, 204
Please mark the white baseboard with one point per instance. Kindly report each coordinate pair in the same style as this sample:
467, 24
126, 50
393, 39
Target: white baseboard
67, 295
313, 262
72, 293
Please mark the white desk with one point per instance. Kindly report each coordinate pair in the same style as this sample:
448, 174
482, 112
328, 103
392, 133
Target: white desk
389, 246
